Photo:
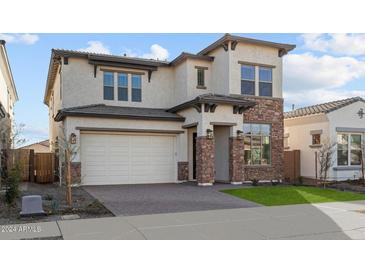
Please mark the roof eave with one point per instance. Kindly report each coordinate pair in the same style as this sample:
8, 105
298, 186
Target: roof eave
283, 48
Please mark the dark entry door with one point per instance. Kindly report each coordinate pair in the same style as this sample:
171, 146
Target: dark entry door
194, 155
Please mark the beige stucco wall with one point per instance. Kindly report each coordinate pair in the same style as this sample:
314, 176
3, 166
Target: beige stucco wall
55, 104
300, 138
346, 117
255, 54
81, 88
7, 99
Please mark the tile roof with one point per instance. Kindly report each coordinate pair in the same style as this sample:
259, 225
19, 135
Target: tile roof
104, 111
321, 108
212, 98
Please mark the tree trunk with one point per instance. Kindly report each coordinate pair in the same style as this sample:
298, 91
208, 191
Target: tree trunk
68, 179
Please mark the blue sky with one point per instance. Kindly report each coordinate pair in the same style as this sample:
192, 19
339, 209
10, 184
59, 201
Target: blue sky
322, 68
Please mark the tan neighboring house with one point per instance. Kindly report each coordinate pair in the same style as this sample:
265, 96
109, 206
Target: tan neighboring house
213, 116
8, 95
40, 147
339, 122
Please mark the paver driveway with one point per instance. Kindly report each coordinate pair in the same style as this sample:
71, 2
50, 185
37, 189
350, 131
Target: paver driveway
129, 200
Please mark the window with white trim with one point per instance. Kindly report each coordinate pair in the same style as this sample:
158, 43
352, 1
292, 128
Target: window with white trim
349, 149
108, 85
265, 81
247, 80
122, 87
136, 88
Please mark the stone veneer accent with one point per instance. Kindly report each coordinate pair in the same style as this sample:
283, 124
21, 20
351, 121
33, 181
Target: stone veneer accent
236, 160
76, 172
268, 110
183, 171
205, 169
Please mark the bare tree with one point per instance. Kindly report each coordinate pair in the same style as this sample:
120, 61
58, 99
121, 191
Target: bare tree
66, 152
326, 160
362, 159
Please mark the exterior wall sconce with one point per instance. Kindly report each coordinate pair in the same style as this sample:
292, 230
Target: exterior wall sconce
73, 138
239, 134
209, 133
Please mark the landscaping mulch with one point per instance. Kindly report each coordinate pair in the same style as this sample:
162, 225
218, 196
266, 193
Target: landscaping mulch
54, 204
349, 186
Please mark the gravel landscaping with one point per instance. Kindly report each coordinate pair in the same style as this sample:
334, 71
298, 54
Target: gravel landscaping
54, 204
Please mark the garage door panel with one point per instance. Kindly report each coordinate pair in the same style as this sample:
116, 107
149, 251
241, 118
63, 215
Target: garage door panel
127, 159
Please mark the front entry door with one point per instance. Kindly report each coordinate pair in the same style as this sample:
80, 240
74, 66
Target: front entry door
194, 155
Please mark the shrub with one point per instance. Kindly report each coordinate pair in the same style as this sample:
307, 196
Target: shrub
255, 182
12, 185
274, 182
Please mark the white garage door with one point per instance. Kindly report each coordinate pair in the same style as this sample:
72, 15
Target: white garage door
127, 159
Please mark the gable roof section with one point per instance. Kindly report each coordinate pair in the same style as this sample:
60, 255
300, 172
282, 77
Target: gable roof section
321, 108
238, 101
104, 111
7, 65
283, 48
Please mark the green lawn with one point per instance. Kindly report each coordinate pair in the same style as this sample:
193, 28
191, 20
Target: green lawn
288, 195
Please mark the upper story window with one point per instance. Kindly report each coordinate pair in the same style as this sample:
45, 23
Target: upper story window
248, 80
200, 73
108, 85
265, 81
122, 87
316, 139
257, 144
136, 88
348, 149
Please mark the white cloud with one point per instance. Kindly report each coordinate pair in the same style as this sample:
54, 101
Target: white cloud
340, 43
96, 47
307, 72
28, 39
157, 52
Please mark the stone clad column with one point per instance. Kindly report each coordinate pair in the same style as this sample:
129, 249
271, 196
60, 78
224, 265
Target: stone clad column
205, 169
236, 160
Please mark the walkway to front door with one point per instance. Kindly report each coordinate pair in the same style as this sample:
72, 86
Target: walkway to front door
131, 200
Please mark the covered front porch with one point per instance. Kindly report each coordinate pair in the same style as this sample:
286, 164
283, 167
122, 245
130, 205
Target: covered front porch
215, 145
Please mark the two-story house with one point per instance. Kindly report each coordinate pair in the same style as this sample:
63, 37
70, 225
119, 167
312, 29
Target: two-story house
8, 96
212, 116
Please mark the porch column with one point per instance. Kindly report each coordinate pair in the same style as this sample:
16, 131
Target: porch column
205, 169
236, 160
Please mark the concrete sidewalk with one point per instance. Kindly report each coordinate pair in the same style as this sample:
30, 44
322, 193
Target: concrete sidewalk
319, 221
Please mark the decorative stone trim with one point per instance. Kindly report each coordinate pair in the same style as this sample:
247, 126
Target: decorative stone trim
205, 169
268, 110
75, 172
183, 171
236, 160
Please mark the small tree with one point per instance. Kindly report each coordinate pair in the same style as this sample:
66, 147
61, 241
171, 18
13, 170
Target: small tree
66, 152
326, 160
10, 135
362, 159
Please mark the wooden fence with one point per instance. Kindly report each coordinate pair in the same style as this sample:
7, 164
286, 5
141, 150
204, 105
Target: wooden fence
34, 167
291, 165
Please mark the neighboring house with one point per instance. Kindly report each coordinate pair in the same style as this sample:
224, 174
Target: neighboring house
8, 96
40, 147
212, 116
341, 122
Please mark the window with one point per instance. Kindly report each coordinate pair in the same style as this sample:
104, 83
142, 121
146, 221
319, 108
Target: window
136, 88
265, 81
316, 139
247, 80
122, 87
257, 144
348, 149
201, 80
108, 85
